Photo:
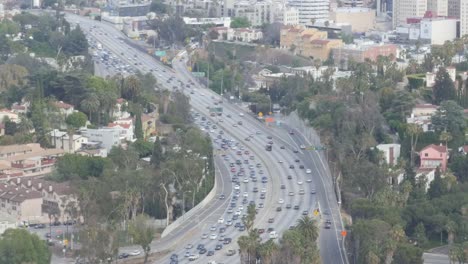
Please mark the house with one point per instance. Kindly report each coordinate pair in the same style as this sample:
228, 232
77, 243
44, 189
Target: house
293, 37
244, 34
64, 108
61, 140
21, 204
463, 149
433, 156
391, 153
421, 115
6, 113
149, 122
108, 137
20, 108
120, 109
92, 149
426, 175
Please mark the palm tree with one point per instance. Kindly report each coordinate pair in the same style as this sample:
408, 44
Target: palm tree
248, 246
267, 250
414, 130
131, 87
446, 137
308, 227
90, 105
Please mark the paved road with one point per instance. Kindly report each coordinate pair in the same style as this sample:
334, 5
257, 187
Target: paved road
431, 258
276, 172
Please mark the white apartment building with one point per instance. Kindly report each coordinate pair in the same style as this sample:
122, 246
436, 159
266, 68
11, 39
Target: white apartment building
108, 137
463, 18
61, 140
438, 7
404, 9
287, 15
311, 10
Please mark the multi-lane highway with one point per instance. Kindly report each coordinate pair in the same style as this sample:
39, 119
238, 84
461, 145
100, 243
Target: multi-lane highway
286, 183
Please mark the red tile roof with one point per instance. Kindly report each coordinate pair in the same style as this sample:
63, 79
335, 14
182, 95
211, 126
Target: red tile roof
439, 148
61, 104
126, 126
120, 100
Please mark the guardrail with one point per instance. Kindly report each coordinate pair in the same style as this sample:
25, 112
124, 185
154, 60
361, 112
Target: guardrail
179, 221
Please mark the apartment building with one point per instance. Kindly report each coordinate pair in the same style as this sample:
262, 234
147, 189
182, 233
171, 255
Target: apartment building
62, 140
361, 52
438, 7
27, 160
352, 3
59, 200
257, 12
64, 108
404, 9
319, 48
20, 204
108, 137
287, 15
438, 30
311, 10
293, 36
463, 18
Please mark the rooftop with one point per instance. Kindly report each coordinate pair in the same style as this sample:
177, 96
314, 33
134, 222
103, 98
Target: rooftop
439, 148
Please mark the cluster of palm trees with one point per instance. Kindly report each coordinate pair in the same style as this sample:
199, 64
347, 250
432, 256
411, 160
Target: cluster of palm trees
297, 246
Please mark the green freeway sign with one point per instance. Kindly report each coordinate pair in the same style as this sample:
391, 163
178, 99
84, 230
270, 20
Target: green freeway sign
198, 74
160, 53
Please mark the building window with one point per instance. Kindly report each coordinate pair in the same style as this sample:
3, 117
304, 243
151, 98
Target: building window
426, 155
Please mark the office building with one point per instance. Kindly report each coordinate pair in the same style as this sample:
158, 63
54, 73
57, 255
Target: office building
453, 9
438, 7
360, 19
463, 18
404, 9
311, 10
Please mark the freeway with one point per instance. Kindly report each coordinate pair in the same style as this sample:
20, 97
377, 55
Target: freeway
277, 164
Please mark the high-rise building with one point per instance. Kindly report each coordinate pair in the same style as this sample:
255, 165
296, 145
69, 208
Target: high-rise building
453, 9
353, 3
438, 7
311, 10
404, 9
463, 18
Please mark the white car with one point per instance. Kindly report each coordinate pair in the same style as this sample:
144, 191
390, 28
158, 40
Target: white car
300, 182
204, 236
213, 228
246, 194
308, 171
134, 253
189, 246
280, 161
302, 146
238, 212
309, 180
237, 187
221, 220
280, 201
194, 257
241, 114
241, 207
213, 236
246, 180
229, 223
263, 190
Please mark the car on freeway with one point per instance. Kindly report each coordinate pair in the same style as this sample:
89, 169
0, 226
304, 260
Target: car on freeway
134, 253
200, 246
283, 186
202, 251
271, 220
291, 166
193, 257
288, 206
312, 191
278, 209
187, 254
296, 207
301, 192
302, 147
291, 193
289, 177
231, 252
221, 220
309, 180
328, 224
301, 167
213, 228
295, 151
204, 236
219, 247
260, 205
299, 182
305, 212
213, 236
280, 201
222, 197
210, 253
282, 147
189, 246
308, 171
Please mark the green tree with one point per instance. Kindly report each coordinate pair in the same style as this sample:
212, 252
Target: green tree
420, 234
408, 254
249, 219
76, 43
76, 120
459, 166
18, 246
138, 126
144, 148
157, 155
248, 246
449, 117
444, 88
437, 187
268, 251
91, 105
240, 22
142, 233
131, 88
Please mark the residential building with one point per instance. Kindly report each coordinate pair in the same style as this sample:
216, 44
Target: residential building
438, 30
319, 48
64, 108
453, 8
257, 12
216, 21
126, 128
6, 113
92, 149
433, 156
425, 175
424, 110
438, 7
360, 19
21, 204
61, 140
129, 8
107, 136
27, 160
421, 115
404, 9
59, 200
120, 111
20, 108
287, 15
362, 51
391, 153
463, 18
244, 34
311, 10
7, 222
136, 27
293, 36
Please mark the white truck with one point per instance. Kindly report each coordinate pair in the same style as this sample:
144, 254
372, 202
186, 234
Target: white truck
99, 46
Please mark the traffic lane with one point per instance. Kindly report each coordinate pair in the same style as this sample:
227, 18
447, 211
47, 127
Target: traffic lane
327, 202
